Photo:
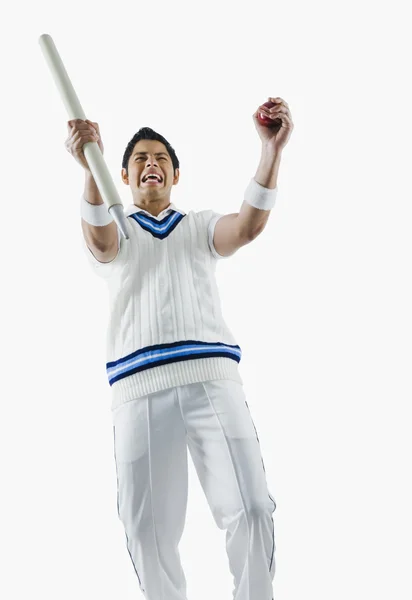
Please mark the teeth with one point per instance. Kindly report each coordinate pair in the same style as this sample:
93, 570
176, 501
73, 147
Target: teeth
153, 177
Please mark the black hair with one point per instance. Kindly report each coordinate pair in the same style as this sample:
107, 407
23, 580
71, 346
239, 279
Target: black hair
146, 133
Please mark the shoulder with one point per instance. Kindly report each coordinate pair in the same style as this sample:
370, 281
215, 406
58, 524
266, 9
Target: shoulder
208, 217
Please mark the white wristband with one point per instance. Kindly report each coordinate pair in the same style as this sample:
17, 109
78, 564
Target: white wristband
260, 197
95, 214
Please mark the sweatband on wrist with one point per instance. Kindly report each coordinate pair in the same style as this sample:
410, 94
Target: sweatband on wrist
260, 197
95, 214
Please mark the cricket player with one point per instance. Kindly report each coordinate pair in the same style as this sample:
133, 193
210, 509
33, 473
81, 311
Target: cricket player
172, 362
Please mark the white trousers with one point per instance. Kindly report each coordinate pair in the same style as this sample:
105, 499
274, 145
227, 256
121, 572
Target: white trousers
151, 437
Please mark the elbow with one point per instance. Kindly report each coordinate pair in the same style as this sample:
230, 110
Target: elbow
256, 233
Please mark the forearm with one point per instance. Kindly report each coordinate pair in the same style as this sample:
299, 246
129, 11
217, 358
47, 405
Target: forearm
268, 169
253, 220
99, 237
91, 191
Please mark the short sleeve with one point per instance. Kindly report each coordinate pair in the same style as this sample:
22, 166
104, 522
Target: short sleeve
211, 232
114, 266
210, 218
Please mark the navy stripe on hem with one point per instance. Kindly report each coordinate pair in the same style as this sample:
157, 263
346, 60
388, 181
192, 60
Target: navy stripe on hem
163, 354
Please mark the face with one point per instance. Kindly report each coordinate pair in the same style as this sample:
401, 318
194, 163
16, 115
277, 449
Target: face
150, 156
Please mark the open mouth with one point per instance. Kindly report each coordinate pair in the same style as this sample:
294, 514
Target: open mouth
152, 180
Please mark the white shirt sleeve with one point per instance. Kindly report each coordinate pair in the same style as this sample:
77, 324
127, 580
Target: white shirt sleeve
211, 232
213, 218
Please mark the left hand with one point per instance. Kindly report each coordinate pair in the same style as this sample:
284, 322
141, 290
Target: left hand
276, 136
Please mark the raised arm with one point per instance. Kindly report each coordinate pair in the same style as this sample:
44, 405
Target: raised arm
102, 239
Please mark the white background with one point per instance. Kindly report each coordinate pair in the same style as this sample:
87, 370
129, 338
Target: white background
320, 303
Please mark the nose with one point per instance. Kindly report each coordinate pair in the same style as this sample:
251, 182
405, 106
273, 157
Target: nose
151, 160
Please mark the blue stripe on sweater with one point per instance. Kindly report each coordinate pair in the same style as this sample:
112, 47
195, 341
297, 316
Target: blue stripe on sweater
159, 229
164, 354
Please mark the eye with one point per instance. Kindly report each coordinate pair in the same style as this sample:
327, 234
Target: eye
139, 157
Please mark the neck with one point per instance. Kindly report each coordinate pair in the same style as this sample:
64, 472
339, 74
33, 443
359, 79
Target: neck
154, 207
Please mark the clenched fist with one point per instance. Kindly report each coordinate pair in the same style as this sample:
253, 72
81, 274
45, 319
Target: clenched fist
80, 133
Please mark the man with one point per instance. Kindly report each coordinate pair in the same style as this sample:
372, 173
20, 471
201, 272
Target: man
173, 363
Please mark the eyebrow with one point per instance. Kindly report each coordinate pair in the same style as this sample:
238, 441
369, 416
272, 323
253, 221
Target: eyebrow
156, 153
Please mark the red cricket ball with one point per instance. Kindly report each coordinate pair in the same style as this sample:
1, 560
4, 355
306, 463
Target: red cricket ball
264, 120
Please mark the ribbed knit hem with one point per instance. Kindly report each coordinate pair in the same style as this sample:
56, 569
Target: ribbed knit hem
173, 375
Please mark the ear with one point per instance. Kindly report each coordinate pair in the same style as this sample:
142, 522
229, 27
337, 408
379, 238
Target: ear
176, 176
125, 177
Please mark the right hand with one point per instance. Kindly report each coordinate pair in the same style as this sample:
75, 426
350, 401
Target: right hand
81, 132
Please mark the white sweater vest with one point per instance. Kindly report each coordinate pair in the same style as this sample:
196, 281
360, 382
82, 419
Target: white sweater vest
166, 327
